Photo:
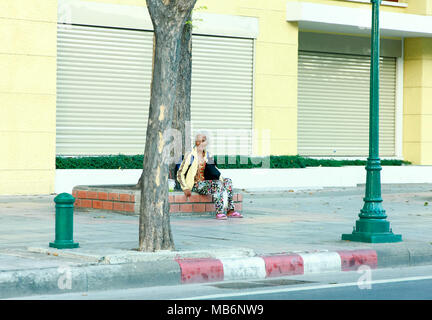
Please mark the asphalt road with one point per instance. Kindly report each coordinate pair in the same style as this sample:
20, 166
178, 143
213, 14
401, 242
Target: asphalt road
403, 289
411, 283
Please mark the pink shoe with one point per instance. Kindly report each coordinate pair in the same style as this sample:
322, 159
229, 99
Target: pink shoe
234, 214
221, 216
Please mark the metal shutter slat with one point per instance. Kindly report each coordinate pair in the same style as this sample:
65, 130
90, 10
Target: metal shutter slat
103, 90
333, 104
222, 83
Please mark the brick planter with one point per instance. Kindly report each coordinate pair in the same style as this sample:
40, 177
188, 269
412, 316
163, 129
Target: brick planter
126, 199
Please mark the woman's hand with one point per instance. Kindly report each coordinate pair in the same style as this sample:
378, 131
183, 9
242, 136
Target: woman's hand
187, 193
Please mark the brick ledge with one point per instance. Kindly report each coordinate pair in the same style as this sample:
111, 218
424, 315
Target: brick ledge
126, 200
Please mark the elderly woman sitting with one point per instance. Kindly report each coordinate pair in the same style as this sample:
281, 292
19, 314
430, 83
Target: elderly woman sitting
192, 177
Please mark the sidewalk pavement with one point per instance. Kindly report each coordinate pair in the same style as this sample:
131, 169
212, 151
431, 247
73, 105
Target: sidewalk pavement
283, 233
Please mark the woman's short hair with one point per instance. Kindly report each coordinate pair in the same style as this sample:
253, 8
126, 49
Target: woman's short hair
202, 133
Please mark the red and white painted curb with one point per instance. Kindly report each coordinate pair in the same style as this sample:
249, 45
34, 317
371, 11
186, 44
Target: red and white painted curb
260, 267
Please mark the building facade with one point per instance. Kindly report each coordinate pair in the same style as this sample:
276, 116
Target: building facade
278, 77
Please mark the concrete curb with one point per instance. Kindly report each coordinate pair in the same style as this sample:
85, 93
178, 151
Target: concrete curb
174, 268
261, 267
87, 278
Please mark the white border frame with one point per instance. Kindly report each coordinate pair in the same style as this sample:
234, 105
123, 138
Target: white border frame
258, 179
138, 17
340, 19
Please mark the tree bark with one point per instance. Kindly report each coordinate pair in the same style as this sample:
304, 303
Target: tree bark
182, 113
168, 17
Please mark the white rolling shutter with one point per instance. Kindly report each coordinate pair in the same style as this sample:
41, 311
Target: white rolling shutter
222, 84
333, 104
103, 85
103, 90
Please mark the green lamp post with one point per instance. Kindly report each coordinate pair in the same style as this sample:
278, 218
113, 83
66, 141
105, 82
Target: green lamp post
372, 226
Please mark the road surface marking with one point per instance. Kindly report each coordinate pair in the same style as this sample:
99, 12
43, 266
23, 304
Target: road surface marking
327, 286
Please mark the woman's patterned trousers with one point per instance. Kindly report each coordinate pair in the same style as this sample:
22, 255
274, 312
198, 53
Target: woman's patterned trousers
216, 189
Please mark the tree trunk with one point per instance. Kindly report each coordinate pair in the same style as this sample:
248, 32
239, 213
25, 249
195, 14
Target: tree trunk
168, 17
182, 114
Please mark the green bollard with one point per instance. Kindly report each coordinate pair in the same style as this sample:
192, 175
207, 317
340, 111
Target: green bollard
64, 222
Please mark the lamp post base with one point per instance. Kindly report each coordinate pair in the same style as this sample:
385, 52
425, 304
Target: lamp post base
385, 237
64, 244
372, 231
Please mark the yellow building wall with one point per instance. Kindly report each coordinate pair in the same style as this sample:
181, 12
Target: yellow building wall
423, 7
27, 96
417, 130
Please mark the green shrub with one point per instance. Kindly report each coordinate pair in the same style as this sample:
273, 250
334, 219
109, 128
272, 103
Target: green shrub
100, 162
223, 162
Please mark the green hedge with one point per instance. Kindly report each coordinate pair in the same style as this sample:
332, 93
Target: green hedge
223, 162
